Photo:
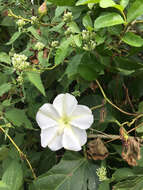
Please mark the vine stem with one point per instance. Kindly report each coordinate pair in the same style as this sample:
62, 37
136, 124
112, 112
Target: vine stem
104, 95
11, 14
96, 107
124, 16
112, 137
20, 152
116, 137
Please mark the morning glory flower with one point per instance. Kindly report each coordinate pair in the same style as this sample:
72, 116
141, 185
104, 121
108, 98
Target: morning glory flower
64, 123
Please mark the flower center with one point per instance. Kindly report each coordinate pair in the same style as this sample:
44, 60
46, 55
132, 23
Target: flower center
65, 120
63, 123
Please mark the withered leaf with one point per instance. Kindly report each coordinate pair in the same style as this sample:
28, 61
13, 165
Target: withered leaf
131, 151
97, 150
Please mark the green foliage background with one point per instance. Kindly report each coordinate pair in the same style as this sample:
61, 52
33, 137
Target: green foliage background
100, 45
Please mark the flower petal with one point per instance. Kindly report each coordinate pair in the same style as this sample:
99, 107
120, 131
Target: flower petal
51, 138
65, 104
74, 138
82, 117
47, 116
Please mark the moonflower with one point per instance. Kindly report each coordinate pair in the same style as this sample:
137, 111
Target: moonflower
63, 123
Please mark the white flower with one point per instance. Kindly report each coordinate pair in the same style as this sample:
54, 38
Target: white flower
102, 172
20, 22
63, 123
34, 19
67, 17
19, 62
39, 46
54, 44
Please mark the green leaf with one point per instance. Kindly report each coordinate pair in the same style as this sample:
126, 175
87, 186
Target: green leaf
119, 7
99, 40
73, 65
4, 57
106, 3
3, 78
34, 32
124, 3
88, 72
127, 63
74, 27
62, 51
34, 78
18, 118
90, 68
4, 88
63, 2
135, 10
15, 36
131, 184
47, 161
13, 176
68, 174
8, 21
59, 11
3, 186
104, 185
132, 39
87, 22
110, 3
84, 2
108, 19
122, 173
78, 40
3, 152
115, 30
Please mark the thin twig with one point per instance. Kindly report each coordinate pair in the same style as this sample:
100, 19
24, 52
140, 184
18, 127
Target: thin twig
128, 97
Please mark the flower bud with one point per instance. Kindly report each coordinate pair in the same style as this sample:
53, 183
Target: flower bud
42, 9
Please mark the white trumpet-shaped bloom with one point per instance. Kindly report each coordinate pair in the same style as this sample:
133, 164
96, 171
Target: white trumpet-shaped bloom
63, 123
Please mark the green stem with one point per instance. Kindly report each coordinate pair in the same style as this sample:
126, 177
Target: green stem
104, 95
20, 152
11, 14
96, 107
